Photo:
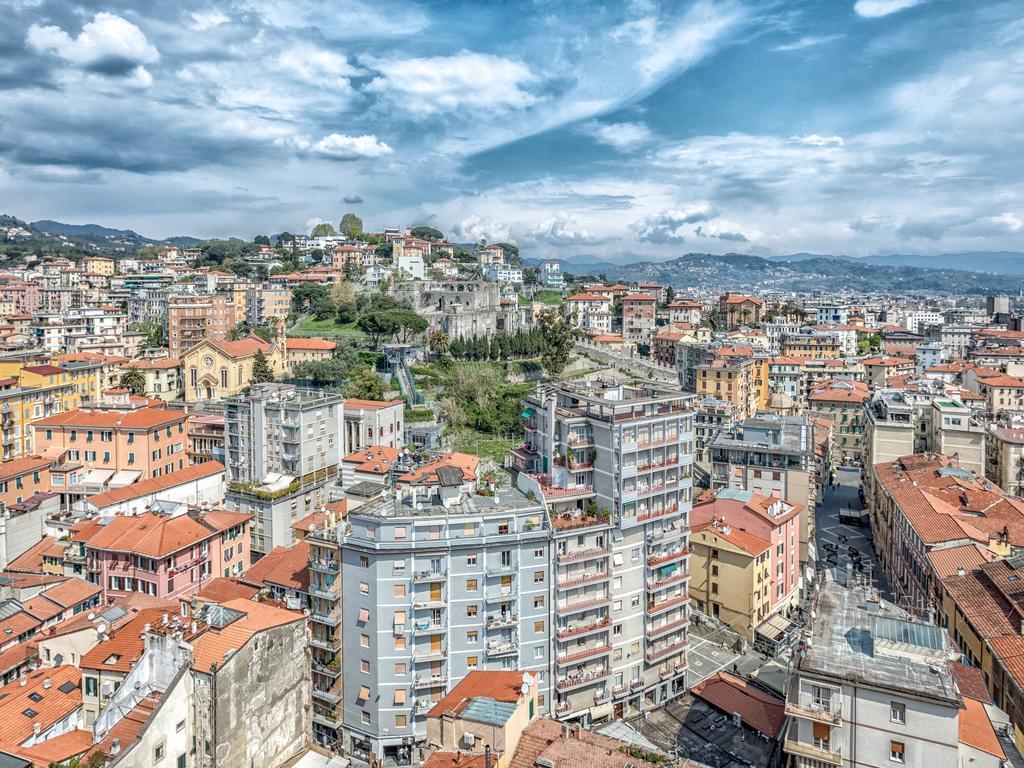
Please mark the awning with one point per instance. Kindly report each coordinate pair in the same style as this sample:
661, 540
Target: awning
601, 711
399, 617
96, 477
527, 413
774, 627
124, 477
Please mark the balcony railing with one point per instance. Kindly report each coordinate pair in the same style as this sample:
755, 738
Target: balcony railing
501, 594
578, 681
666, 535
826, 753
657, 654
583, 554
429, 681
656, 608
431, 576
653, 585
508, 648
655, 632
566, 609
819, 711
584, 654
584, 579
502, 620
564, 633
661, 558
325, 566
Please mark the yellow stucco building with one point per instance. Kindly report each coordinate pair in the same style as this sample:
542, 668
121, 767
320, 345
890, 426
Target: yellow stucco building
218, 369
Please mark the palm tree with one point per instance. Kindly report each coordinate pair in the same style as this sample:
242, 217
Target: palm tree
134, 381
439, 343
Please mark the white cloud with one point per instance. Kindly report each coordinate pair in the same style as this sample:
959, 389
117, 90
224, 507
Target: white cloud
1010, 220
316, 66
563, 229
337, 146
621, 136
474, 228
311, 223
808, 41
672, 226
466, 80
204, 20
816, 140
874, 9
692, 37
107, 45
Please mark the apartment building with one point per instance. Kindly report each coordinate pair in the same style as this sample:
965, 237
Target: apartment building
842, 402
191, 319
591, 311
821, 345
746, 561
263, 303
888, 697
879, 371
638, 317
373, 422
685, 311
282, 449
613, 463
437, 581
740, 380
551, 275
900, 422
167, 555
736, 310
1004, 456
711, 417
163, 375
771, 455
1003, 394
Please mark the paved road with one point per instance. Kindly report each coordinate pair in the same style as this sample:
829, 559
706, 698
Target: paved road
843, 537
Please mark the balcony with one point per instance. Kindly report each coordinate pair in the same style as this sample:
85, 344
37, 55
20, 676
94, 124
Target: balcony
662, 558
572, 522
331, 619
501, 594
431, 576
424, 705
429, 681
583, 654
326, 644
331, 593
500, 649
428, 628
502, 569
325, 566
666, 535
653, 585
665, 629
583, 580
331, 697
421, 655
567, 609
502, 620
331, 720
833, 755
664, 512
331, 670
578, 681
806, 707
426, 603
583, 554
564, 633
657, 608
654, 655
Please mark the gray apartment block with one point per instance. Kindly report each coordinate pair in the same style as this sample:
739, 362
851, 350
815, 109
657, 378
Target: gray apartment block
283, 447
433, 589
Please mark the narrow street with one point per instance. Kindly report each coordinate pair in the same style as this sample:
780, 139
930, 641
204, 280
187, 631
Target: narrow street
842, 543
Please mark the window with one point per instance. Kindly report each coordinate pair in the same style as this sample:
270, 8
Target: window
471, 585
365, 717
91, 686
471, 611
538, 577
538, 553
897, 751
538, 627
538, 652
471, 662
399, 696
400, 669
400, 643
469, 529
634, 554
472, 636
364, 666
822, 734
159, 752
364, 641
538, 601
182, 760
898, 712
470, 559
364, 587
400, 720
400, 532
399, 590
617, 605
398, 566
180, 726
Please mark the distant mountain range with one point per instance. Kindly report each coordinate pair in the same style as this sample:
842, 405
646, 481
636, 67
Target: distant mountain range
809, 273
999, 262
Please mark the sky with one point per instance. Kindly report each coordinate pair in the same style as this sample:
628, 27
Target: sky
619, 130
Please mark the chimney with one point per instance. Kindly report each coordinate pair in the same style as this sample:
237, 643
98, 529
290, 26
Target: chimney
46, 683
487, 756
24, 680
115, 747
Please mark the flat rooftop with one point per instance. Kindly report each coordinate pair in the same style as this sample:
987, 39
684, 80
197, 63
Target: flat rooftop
505, 501
859, 639
782, 434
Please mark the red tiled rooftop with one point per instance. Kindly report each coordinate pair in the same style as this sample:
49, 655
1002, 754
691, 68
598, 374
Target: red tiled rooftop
758, 709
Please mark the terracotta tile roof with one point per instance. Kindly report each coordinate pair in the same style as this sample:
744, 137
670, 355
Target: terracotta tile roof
55, 705
371, 405
945, 562
684, 304
17, 655
17, 580
976, 729
154, 485
243, 347
457, 760
124, 645
310, 344
758, 709
19, 467
971, 682
154, 364
285, 566
140, 418
72, 592
42, 609
158, 535
840, 392
499, 685
128, 728
43, 370
982, 604
31, 560
543, 739
888, 361
427, 474
220, 590
1003, 382
59, 749
212, 645
748, 542
639, 297
587, 297
739, 298
375, 458
18, 624
608, 338
84, 530
314, 520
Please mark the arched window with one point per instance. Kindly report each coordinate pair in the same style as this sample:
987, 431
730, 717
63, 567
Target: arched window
193, 374
223, 378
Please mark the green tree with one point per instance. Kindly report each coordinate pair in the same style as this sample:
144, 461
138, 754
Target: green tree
323, 229
261, 240
134, 380
439, 343
155, 330
427, 233
365, 384
558, 333
378, 325
287, 239
261, 370
351, 226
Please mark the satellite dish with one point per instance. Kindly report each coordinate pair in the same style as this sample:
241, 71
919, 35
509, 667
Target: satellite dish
527, 678
524, 689
101, 628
